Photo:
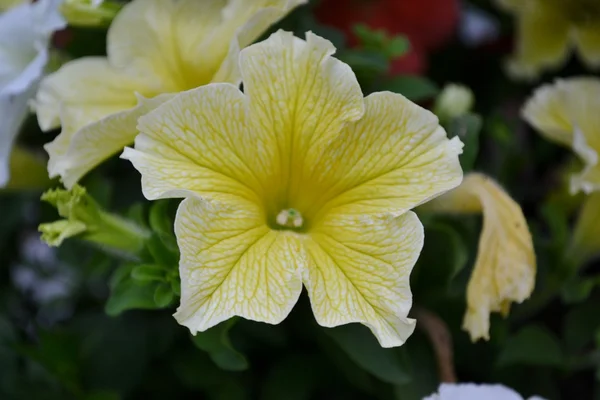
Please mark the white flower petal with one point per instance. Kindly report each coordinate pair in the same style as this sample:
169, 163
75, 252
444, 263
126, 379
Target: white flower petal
471, 391
13, 110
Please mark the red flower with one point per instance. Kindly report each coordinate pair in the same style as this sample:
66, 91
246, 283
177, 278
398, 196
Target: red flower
426, 23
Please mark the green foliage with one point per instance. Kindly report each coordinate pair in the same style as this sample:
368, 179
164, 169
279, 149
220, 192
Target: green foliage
378, 41
415, 88
389, 365
128, 294
216, 343
533, 345
442, 242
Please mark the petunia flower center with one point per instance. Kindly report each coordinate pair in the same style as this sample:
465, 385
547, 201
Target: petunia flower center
290, 218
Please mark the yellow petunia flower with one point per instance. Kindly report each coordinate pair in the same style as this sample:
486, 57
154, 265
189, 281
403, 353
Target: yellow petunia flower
299, 180
567, 113
547, 30
154, 47
505, 266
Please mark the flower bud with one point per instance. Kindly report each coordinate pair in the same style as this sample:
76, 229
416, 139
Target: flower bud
454, 101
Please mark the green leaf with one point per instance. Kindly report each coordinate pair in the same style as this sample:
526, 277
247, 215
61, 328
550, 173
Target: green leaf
580, 326
389, 365
577, 290
398, 46
413, 87
467, 127
425, 376
126, 294
158, 216
216, 343
102, 395
356, 376
162, 222
58, 353
163, 295
444, 255
148, 273
163, 254
176, 286
533, 345
379, 41
293, 378
365, 61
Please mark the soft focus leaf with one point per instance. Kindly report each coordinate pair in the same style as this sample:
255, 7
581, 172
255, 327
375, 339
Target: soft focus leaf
163, 295
580, 325
126, 294
365, 61
532, 345
147, 273
413, 87
443, 256
216, 343
293, 378
389, 365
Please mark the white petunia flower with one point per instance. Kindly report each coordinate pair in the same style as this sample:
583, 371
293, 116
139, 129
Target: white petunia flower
471, 391
25, 32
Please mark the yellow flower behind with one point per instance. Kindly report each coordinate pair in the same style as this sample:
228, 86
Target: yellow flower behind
585, 243
6, 4
547, 30
154, 47
567, 112
505, 266
299, 180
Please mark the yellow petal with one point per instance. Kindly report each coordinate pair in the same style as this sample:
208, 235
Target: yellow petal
233, 264
394, 158
588, 44
98, 141
243, 23
89, 85
359, 271
566, 112
154, 47
586, 236
542, 40
183, 43
299, 99
546, 111
505, 266
192, 145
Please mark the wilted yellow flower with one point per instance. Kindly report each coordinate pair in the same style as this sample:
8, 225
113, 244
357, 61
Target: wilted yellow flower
505, 266
297, 180
154, 47
547, 30
567, 113
585, 243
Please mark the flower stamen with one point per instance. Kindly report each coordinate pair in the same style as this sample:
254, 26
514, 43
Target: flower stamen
290, 218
